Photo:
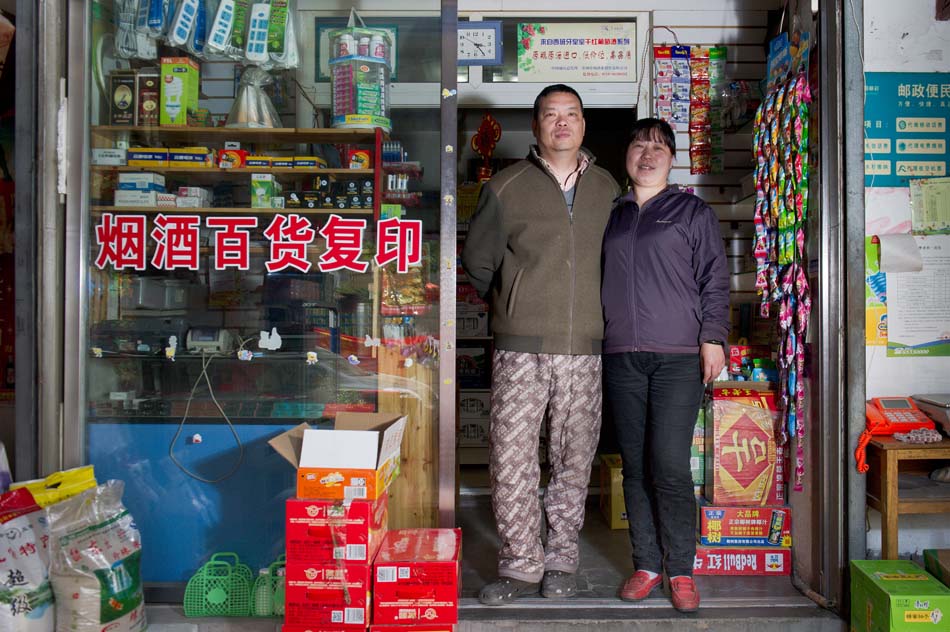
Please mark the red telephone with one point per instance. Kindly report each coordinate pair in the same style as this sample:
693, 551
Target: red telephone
886, 416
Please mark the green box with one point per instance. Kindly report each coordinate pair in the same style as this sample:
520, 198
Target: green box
896, 596
937, 563
264, 186
179, 90
697, 450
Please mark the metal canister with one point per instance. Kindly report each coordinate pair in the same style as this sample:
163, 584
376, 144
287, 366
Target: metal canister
346, 45
775, 526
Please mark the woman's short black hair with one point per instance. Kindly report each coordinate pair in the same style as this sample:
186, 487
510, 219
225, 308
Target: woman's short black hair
653, 129
557, 87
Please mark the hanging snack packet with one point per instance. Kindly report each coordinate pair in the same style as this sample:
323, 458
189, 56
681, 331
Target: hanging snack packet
699, 63
679, 56
26, 600
94, 563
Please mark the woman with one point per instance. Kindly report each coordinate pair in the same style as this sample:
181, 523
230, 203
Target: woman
665, 295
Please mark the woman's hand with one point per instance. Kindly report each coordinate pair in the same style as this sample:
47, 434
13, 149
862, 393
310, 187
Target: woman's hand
713, 359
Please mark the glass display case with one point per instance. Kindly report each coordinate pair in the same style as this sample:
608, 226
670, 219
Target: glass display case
244, 275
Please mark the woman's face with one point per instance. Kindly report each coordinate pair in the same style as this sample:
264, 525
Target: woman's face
649, 162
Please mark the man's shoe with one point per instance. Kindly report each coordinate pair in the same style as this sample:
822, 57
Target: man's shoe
639, 586
558, 585
685, 597
505, 590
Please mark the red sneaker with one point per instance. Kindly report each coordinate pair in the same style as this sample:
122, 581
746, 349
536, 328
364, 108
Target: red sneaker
685, 596
639, 586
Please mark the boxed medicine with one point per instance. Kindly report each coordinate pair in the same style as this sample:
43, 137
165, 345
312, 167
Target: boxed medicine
416, 577
328, 530
717, 560
359, 458
328, 593
179, 90
136, 198
611, 491
744, 526
744, 463
896, 596
147, 96
144, 181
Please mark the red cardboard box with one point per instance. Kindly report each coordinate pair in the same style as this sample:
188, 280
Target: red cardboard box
326, 530
416, 577
412, 628
737, 353
321, 628
336, 593
744, 464
714, 560
745, 526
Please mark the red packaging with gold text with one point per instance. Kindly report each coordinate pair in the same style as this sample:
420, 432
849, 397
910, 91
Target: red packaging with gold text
744, 464
328, 594
327, 530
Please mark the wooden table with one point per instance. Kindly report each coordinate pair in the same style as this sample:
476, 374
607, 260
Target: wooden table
897, 484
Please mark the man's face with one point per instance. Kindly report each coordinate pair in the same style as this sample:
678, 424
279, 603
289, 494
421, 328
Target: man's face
559, 126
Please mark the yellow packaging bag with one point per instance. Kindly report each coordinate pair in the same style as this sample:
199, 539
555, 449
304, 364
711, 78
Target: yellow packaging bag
59, 485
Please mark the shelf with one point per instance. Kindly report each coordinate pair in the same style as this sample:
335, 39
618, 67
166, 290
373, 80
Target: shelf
271, 136
244, 171
231, 210
481, 338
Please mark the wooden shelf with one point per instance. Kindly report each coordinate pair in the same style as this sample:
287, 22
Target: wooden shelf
234, 210
270, 136
245, 171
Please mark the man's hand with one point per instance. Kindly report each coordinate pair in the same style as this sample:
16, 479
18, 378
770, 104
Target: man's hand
713, 359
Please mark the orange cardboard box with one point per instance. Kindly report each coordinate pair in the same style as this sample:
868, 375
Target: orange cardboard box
358, 459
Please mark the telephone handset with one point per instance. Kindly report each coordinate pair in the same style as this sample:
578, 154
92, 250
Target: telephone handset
886, 416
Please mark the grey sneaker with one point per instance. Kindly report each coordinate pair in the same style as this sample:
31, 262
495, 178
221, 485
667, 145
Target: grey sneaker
558, 585
505, 590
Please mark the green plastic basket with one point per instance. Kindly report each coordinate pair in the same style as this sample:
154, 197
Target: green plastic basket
265, 593
218, 589
235, 561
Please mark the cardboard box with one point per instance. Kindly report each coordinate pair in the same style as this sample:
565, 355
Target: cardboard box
166, 199
144, 181
282, 162
321, 594
611, 491
327, 530
416, 577
320, 628
147, 96
473, 364
474, 404
191, 157
744, 464
744, 526
108, 157
122, 97
896, 596
697, 450
147, 157
264, 186
179, 92
937, 563
412, 628
232, 158
136, 198
258, 161
471, 323
716, 560
473, 433
359, 458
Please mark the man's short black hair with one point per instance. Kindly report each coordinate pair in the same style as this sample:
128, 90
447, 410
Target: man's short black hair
557, 87
653, 129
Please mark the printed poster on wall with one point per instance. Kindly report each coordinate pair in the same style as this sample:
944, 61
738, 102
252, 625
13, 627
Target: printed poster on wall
574, 53
875, 296
918, 321
905, 126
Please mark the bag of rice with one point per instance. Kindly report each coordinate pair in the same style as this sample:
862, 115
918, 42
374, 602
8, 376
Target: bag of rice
26, 601
94, 563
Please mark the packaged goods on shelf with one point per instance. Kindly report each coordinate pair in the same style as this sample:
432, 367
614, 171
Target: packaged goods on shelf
147, 96
744, 526
232, 158
611, 491
179, 90
144, 181
122, 104
419, 627
359, 159
697, 450
309, 162
330, 592
473, 365
190, 202
360, 67
108, 157
744, 463
258, 161
191, 157
331, 465
198, 192
474, 404
715, 560
472, 324
136, 198
328, 530
282, 162
739, 355
896, 595
146, 157
166, 199
473, 433
264, 186
416, 576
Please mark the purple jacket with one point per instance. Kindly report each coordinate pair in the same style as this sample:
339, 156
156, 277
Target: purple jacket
665, 283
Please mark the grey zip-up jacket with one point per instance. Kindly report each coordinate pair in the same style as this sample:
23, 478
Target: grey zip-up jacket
666, 283
537, 263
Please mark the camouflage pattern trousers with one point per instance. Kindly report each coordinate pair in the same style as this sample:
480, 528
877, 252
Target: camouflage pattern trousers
525, 386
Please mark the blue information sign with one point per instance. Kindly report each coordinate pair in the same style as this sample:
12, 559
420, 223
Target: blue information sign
905, 127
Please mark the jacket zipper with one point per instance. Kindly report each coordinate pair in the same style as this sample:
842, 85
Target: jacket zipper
573, 262
633, 279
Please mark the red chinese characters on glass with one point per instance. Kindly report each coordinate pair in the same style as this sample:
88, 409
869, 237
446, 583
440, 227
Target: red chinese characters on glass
289, 237
176, 240
121, 241
344, 244
399, 240
232, 241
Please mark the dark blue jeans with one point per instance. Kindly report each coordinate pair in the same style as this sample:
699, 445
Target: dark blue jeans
654, 398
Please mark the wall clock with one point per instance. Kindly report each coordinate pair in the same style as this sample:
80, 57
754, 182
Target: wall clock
479, 43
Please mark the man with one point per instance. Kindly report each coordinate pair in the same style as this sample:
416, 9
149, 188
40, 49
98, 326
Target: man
533, 250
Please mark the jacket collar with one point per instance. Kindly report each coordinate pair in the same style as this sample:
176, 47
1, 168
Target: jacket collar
584, 157
631, 198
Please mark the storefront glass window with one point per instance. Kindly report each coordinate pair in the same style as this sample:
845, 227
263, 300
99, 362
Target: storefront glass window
247, 275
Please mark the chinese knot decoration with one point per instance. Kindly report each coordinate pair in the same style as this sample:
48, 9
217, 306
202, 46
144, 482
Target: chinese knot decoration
781, 208
122, 241
484, 142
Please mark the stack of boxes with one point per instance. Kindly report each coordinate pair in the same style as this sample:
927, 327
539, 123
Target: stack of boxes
337, 524
744, 527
